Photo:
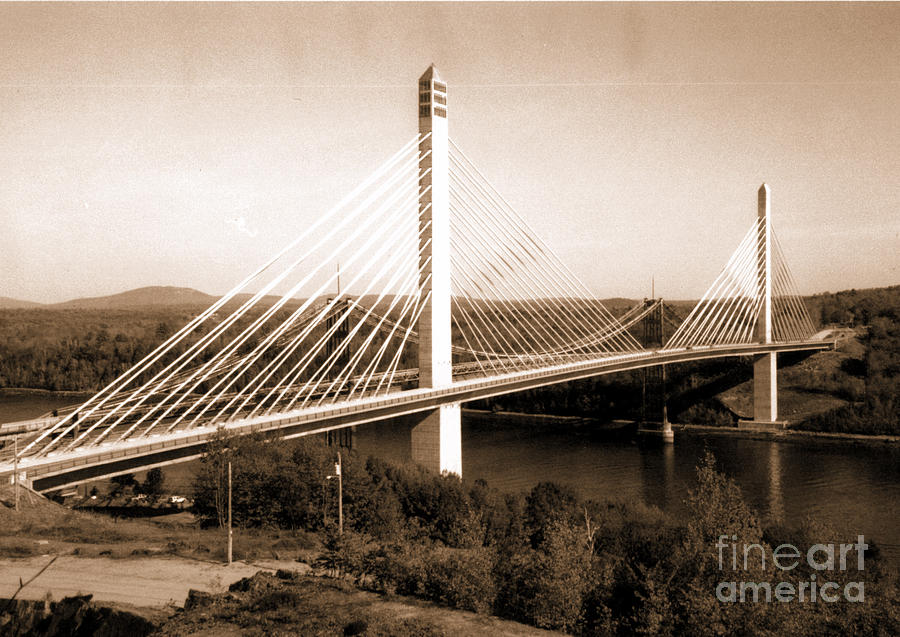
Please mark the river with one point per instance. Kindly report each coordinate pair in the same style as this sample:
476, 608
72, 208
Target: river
853, 488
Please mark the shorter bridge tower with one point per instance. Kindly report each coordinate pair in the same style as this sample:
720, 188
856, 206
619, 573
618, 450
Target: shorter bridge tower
765, 366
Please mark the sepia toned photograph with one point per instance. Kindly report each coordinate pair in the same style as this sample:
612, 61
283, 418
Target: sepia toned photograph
449, 318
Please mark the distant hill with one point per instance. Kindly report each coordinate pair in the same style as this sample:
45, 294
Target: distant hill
167, 295
148, 296
151, 296
7, 303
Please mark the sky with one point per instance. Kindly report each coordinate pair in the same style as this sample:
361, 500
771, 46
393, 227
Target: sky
181, 144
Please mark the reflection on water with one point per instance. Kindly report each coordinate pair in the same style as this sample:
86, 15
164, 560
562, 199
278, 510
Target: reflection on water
853, 489
776, 501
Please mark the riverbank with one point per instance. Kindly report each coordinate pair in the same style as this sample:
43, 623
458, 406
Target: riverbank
514, 417
789, 435
594, 424
418, 550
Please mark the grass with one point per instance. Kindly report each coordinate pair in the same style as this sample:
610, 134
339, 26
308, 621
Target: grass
44, 527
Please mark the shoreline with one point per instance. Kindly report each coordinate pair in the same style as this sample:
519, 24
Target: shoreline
32, 391
791, 435
499, 416
785, 435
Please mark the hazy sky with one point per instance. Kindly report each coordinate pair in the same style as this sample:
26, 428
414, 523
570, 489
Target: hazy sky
181, 144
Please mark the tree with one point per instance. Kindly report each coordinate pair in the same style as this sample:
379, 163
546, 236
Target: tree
562, 578
547, 503
122, 482
153, 483
210, 483
679, 589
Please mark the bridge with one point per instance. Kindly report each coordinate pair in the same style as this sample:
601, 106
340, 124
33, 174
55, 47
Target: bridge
448, 297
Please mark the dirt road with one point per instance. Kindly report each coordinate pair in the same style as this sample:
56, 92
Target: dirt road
141, 582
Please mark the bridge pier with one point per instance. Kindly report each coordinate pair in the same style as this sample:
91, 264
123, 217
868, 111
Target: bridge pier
653, 432
765, 395
437, 440
765, 388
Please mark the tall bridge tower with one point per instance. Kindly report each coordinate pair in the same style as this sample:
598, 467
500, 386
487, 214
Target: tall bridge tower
436, 440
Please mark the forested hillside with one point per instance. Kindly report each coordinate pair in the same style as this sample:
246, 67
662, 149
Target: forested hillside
84, 349
875, 401
81, 349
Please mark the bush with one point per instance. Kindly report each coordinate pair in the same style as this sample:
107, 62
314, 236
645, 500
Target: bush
344, 553
277, 599
461, 578
710, 413
399, 568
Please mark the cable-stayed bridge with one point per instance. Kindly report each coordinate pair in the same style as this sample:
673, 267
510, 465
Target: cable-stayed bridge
448, 296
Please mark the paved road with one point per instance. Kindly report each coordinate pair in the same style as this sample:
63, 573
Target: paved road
141, 582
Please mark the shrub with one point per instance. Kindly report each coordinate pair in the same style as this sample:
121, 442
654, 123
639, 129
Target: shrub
462, 579
400, 568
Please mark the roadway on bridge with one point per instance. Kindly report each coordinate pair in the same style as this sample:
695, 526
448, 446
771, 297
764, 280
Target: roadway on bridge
89, 463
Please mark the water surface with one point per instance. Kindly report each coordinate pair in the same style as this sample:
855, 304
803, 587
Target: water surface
854, 489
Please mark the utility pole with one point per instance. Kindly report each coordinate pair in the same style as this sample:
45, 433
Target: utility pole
325, 503
16, 469
340, 478
229, 513
337, 474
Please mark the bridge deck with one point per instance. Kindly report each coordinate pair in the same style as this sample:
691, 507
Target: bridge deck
85, 463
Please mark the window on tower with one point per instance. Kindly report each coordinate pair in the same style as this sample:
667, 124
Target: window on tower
440, 86
440, 112
424, 97
440, 99
424, 110
425, 85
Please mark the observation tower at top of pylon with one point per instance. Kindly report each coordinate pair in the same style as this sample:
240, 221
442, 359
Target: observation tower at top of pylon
435, 364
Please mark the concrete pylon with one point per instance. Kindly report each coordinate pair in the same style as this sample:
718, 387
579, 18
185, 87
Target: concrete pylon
765, 368
436, 440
